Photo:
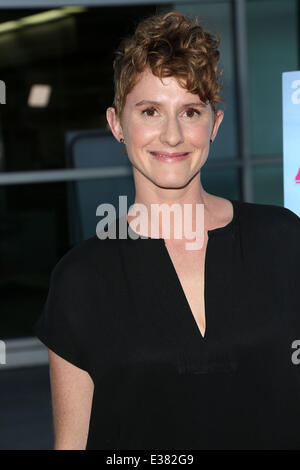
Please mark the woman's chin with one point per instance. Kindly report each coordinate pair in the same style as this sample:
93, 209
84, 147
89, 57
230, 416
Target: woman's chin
170, 182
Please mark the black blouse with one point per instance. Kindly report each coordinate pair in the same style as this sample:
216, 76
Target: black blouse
116, 308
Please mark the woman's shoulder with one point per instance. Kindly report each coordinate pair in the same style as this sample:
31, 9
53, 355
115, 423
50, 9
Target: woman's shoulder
268, 217
86, 260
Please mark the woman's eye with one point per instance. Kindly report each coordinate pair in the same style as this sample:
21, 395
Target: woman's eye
193, 111
151, 110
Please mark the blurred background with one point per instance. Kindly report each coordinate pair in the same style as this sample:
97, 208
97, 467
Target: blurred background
59, 161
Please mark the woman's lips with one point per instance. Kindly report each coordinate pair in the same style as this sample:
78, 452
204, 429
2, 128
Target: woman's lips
170, 157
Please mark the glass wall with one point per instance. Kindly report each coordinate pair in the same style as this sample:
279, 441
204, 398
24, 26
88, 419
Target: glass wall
273, 48
69, 56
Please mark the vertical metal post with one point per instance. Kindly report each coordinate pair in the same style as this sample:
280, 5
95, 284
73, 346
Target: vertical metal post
243, 109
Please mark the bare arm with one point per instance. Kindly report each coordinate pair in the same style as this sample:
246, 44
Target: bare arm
72, 392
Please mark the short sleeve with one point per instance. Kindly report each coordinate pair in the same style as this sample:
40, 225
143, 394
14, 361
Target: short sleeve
58, 326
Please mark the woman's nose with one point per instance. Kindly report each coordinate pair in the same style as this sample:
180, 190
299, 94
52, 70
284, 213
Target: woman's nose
171, 132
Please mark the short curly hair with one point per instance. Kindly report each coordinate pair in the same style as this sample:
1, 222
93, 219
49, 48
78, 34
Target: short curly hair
171, 44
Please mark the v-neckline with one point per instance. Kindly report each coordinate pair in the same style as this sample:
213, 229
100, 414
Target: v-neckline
181, 292
182, 296
188, 316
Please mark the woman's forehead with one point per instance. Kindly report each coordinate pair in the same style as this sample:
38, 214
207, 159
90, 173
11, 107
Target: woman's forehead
151, 88
147, 78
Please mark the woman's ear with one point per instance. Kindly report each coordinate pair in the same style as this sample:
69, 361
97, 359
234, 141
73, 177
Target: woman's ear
114, 123
218, 120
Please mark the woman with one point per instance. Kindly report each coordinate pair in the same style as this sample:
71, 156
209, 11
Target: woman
151, 345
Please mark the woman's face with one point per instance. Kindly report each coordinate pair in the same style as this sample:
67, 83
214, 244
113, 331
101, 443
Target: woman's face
159, 117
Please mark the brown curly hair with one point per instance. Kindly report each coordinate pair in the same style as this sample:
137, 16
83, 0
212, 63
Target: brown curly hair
171, 44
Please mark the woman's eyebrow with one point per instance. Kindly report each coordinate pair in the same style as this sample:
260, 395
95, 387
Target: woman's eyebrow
156, 103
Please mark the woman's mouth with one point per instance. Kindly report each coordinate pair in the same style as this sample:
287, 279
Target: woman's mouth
170, 157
